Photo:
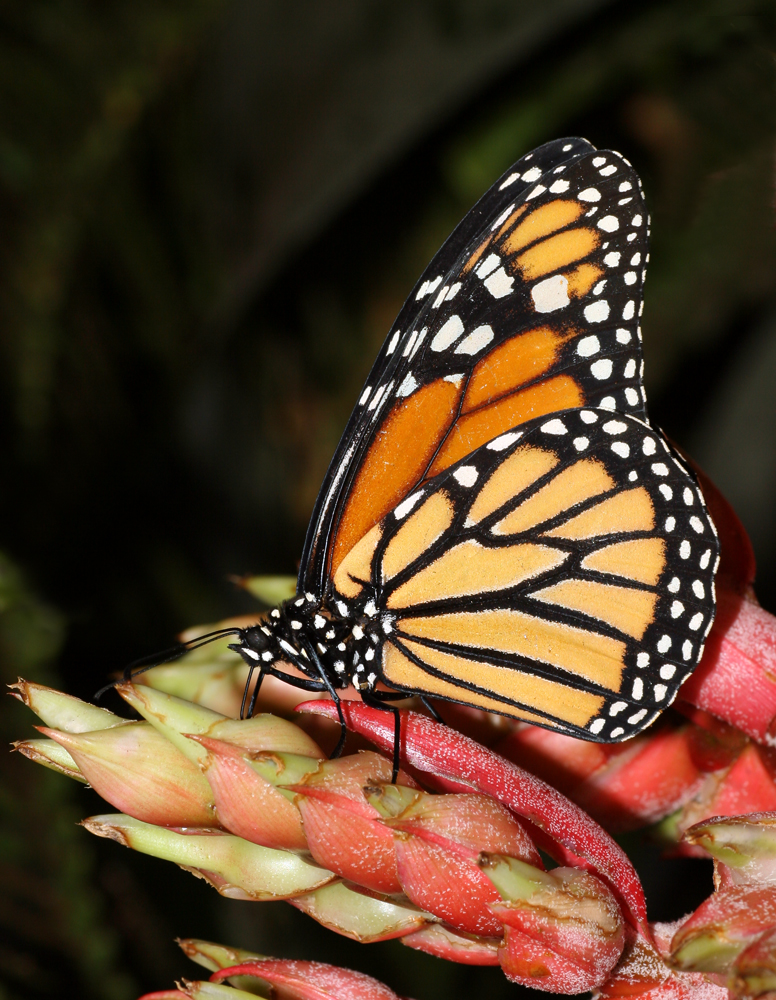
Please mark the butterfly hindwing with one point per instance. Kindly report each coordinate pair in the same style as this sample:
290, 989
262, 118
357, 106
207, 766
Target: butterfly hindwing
562, 574
531, 307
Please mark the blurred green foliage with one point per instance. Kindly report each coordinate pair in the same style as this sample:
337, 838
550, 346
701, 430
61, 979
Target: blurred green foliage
209, 217
52, 916
77, 79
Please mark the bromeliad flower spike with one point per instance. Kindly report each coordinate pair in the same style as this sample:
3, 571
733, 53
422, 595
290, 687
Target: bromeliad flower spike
501, 525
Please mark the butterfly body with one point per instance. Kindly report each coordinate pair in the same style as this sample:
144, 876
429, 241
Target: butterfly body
498, 586
346, 639
501, 525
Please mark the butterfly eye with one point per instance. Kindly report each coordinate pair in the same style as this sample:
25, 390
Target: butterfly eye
254, 638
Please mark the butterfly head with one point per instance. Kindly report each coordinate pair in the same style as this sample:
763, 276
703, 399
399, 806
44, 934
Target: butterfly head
342, 638
257, 639
289, 634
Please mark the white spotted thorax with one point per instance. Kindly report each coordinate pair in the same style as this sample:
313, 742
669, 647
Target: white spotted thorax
501, 525
346, 638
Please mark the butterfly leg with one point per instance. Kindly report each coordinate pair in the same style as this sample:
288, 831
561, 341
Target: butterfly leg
246, 689
334, 697
374, 700
306, 685
434, 714
255, 695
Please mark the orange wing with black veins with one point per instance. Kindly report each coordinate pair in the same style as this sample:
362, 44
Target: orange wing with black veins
531, 307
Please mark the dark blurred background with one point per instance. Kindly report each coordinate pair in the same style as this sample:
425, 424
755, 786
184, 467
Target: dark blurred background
210, 212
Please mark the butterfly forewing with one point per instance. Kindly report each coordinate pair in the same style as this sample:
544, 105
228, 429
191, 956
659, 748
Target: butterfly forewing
562, 574
531, 307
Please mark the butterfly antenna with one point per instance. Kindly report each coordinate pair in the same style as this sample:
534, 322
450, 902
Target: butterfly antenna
175, 652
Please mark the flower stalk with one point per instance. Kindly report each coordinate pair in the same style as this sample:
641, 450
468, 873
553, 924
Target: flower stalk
450, 858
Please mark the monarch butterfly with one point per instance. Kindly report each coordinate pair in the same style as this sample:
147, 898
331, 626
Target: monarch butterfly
501, 525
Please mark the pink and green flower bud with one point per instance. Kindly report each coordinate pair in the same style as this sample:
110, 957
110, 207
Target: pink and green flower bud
219, 956
564, 931
177, 719
754, 972
344, 832
217, 684
624, 795
164, 995
452, 761
642, 972
51, 755
249, 802
140, 772
270, 590
745, 845
740, 656
615, 784
439, 839
234, 867
715, 745
213, 956
63, 711
444, 942
295, 980
748, 786
745, 786
252, 975
563, 761
466, 824
712, 939
740, 653
363, 916
200, 990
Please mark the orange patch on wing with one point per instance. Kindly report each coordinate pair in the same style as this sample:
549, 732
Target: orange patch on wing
523, 467
472, 568
419, 531
561, 700
401, 450
541, 222
582, 279
580, 481
483, 425
586, 654
400, 670
491, 239
557, 251
630, 611
357, 564
641, 559
630, 510
513, 363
